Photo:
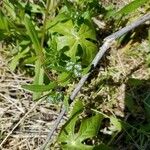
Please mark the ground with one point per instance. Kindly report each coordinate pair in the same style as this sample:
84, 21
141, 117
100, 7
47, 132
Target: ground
24, 123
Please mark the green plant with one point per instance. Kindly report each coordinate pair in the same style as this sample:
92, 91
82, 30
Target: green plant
75, 133
49, 44
57, 41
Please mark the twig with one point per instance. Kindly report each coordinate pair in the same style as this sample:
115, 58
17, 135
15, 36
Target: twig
107, 44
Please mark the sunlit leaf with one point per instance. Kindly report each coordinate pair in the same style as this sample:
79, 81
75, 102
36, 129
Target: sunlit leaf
89, 128
15, 61
39, 71
69, 36
40, 88
39, 77
132, 6
33, 35
116, 123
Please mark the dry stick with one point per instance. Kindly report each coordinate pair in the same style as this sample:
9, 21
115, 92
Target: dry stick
107, 43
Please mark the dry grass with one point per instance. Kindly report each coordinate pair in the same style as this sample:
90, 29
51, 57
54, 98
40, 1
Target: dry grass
24, 123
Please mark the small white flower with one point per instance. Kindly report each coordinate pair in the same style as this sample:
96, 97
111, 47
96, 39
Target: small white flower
78, 67
77, 73
69, 68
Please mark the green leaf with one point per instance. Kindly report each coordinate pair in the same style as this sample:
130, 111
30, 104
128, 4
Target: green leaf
134, 82
3, 22
39, 77
39, 71
90, 127
130, 103
40, 88
10, 8
72, 139
64, 77
116, 123
69, 36
131, 7
4, 26
77, 106
33, 35
145, 128
59, 18
15, 61
30, 60
69, 127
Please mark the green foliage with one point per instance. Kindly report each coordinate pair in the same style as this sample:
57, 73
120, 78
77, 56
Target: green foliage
39, 72
126, 10
58, 40
77, 40
15, 62
72, 138
46, 45
33, 35
131, 7
3, 22
147, 106
40, 88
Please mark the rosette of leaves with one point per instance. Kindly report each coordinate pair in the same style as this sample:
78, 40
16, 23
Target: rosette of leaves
80, 40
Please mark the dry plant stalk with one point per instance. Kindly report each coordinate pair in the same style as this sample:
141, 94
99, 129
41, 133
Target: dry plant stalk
107, 44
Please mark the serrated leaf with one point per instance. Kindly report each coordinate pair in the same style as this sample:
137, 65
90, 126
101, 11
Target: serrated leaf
69, 127
88, 128
40, 88
72, 38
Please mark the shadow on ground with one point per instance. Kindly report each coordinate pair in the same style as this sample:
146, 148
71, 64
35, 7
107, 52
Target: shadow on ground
136, 124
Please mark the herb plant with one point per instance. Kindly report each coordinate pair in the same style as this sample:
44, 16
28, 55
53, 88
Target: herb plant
55, 42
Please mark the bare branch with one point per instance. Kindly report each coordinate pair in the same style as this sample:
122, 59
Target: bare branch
107, 44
